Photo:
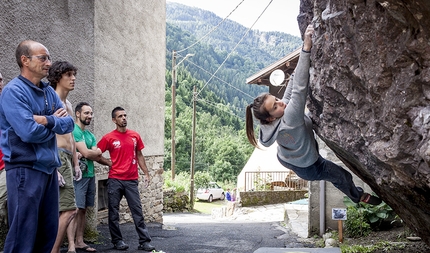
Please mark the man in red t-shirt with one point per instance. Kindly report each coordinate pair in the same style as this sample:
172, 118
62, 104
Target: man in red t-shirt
125, 149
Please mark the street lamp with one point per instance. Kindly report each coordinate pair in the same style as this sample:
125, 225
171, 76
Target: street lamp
174, 67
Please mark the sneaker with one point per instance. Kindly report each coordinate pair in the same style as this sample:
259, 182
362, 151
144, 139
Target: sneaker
146, 247
370, 199
120, 245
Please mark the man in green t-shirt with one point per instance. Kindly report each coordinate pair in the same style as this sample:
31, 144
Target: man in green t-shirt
88, 152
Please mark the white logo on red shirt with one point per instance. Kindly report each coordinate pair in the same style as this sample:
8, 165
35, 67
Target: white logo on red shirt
116, 144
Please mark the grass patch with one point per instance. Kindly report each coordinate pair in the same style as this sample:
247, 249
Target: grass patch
206, 207
382, 246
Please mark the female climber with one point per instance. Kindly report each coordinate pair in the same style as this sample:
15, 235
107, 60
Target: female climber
284, 121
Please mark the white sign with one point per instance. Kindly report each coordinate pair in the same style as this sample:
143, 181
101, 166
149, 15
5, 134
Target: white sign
338, 213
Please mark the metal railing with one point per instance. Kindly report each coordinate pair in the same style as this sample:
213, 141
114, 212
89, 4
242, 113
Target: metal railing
273, 181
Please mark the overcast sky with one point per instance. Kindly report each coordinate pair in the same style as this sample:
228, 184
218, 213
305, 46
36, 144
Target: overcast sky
281, 15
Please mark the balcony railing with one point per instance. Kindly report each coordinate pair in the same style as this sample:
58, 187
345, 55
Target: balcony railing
273, 181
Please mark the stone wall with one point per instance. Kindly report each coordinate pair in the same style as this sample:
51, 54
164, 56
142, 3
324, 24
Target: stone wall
119, 63
151, 196
259, 198
175, 201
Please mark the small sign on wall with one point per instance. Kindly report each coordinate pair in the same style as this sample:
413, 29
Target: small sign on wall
338, 213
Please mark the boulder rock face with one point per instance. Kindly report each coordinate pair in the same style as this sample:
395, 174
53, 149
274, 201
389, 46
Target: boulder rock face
370, 95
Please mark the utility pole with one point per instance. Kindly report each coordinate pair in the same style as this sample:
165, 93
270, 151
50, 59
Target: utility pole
173, 158
174, 75
193, 147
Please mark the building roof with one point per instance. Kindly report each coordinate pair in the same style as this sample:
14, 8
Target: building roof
286, 64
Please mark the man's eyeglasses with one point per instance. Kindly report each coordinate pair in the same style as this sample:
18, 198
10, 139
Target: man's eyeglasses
42, 58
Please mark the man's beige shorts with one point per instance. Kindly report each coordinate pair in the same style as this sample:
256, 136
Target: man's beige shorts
67, 192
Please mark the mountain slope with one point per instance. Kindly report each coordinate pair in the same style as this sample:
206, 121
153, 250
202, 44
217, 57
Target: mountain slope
262, 47
186, 25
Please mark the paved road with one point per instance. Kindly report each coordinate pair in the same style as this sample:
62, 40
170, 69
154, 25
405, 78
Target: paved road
249, 230
198, 233
246, 231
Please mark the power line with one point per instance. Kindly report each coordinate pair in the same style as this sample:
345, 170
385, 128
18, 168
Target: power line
246, 33
211, 103
216, 27
232, 86
216, 103
213, 74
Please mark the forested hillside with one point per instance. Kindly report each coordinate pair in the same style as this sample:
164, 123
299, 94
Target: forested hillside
221, 145
261, 47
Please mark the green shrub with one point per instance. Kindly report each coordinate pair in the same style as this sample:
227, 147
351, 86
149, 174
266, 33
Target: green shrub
362, 218
201, 179
319, 242
356, 224
180, 184
380, 217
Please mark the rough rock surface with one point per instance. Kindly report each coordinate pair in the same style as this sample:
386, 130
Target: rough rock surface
370, 93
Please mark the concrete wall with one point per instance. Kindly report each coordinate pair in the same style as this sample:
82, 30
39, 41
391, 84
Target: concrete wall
129, 63
66, 28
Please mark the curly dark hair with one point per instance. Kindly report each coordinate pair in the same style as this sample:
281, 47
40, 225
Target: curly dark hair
57, 69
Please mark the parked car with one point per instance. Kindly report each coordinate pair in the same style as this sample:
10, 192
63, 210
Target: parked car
211, 192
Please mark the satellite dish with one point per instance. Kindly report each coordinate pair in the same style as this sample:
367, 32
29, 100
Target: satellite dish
277, 77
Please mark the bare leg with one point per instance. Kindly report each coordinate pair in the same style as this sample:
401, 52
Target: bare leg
65, 218
80, 229
71, 232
